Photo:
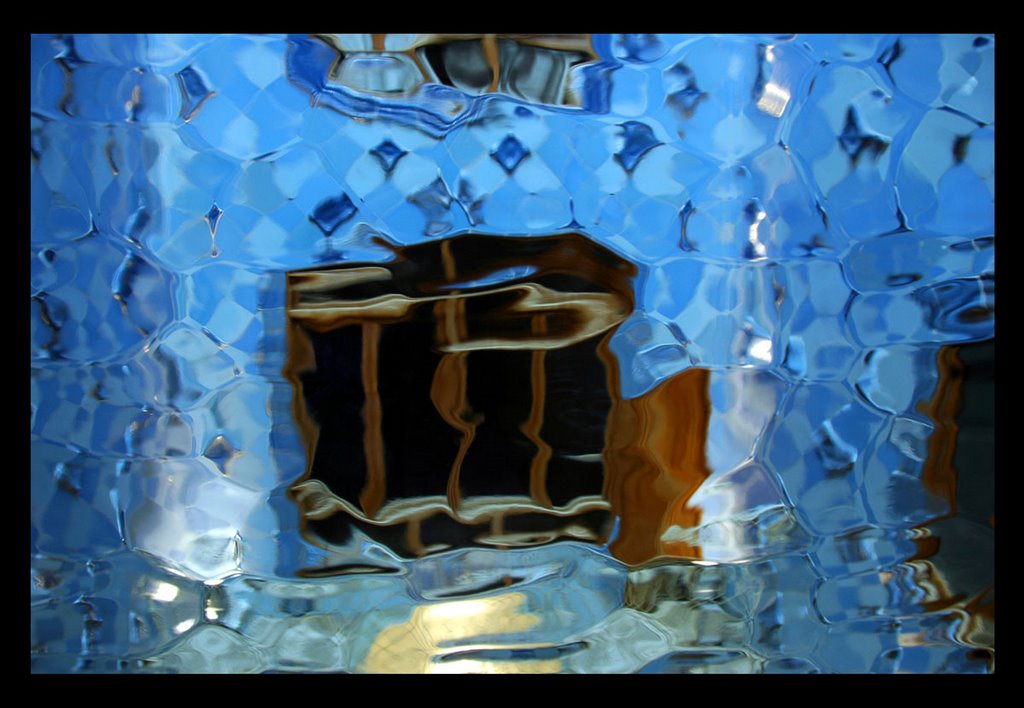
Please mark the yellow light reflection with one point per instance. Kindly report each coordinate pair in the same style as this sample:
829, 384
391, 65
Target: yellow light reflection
434, 630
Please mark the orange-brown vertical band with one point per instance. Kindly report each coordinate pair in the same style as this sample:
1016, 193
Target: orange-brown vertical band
448, 392
532, 427
655, 459
939, 474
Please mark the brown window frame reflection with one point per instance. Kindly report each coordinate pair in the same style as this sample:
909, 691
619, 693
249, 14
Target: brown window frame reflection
528, 311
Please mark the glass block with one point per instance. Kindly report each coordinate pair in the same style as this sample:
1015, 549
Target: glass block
512, 353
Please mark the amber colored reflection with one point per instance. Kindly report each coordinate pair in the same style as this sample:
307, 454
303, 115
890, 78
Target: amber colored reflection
654, 462
939, 475
979, 613
976, 610
533, 424
420, 644
448, 392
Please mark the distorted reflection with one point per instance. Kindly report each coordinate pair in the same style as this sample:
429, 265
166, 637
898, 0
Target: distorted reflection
437, 639
487, 408
533, 68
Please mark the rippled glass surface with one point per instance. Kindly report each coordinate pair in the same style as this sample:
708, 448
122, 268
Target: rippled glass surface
512, 353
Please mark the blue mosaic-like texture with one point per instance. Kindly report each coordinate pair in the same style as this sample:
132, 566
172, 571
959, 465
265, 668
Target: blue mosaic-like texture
813, 219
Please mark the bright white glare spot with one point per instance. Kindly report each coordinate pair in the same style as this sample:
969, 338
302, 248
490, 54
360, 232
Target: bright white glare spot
752, 233
761, 349
164, 592
753, 236
705, 563
183, 627
211, 613
465, 666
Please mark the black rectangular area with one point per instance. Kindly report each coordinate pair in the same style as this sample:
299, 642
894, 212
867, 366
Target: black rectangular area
447, 403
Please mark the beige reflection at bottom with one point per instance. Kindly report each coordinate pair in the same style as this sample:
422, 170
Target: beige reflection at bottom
414, 646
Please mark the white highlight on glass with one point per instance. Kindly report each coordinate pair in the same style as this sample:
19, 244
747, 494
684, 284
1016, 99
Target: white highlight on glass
164, 592
761, 349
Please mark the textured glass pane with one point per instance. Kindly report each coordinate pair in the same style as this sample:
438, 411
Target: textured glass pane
512, 353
